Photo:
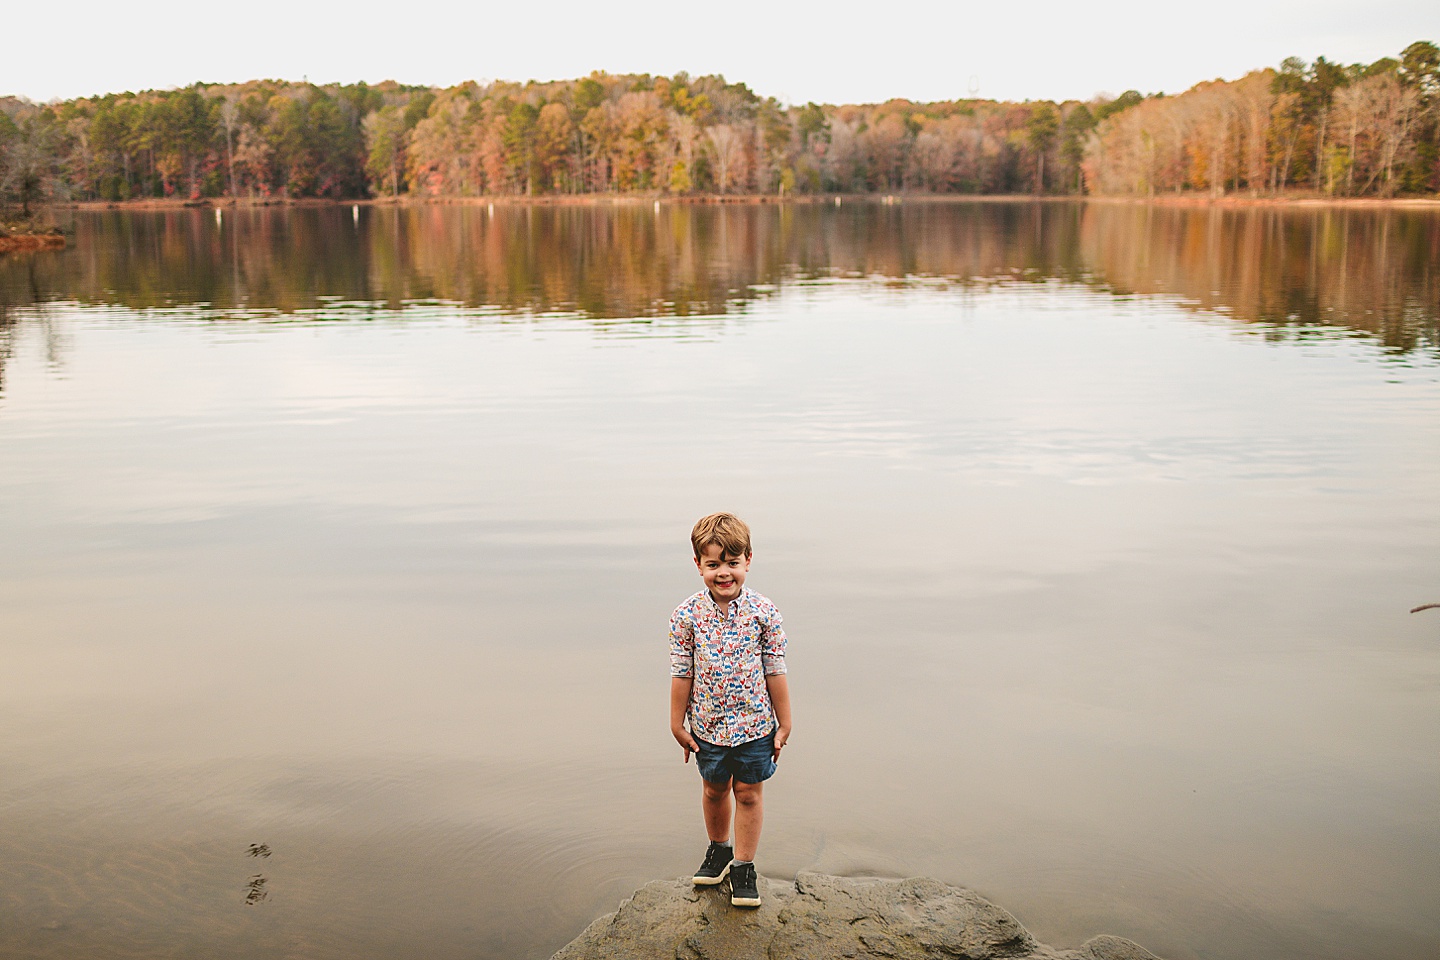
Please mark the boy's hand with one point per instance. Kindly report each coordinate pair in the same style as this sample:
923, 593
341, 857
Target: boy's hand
782, 737
778, 686
682, 737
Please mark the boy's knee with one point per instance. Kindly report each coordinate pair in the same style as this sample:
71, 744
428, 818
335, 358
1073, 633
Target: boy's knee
716, 791
747, 793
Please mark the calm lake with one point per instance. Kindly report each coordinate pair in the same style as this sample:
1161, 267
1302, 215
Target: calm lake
354, 534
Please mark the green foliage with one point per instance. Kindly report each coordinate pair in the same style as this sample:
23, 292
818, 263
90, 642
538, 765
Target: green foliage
695, 106
589, 94
1381, 66
385, 131
1042, 127
1325, 78
680, 181
1420, 71
811, 122
318, 147
774, 125
1125, 101
418, 108
1075, 132
787, 180
1420, 67
518, 138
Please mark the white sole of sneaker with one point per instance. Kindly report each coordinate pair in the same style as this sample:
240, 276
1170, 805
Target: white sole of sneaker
744, 901
712, 881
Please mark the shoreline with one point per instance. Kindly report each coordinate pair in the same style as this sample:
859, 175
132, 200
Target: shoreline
24, 242
1185, 200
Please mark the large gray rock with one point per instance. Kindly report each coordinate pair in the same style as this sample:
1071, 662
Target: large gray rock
819, 917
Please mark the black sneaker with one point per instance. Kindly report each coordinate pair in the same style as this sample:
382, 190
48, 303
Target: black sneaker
744, 887
716, 865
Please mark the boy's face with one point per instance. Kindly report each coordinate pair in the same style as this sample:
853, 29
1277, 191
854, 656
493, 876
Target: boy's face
723, 576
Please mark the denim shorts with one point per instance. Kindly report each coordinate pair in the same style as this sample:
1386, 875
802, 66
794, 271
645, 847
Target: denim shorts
749, 762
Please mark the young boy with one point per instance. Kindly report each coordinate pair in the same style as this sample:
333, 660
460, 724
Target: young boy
727, 677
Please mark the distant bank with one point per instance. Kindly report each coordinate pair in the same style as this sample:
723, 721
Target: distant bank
1344, 130
1287, 200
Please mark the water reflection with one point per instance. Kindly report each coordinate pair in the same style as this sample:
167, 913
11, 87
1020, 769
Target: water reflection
24, 295
1372, 271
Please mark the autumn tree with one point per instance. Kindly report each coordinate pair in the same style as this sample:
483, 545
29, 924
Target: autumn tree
726, 146
810, 122
887, 145
554, 134
1376, 115
1254, 103
1420, 71
1324, 79
639, 143
318, 145
518, 139
385, 143
437, 151
1041, 130
27, 159
1106, 109
229, 122
1075, 131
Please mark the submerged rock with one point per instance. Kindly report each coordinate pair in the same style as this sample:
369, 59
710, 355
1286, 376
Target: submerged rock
819, 917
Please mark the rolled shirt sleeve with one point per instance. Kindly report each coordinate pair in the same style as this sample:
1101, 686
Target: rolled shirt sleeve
682, 644
772, 643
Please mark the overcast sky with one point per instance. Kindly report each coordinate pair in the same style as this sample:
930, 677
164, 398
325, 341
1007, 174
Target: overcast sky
797, 50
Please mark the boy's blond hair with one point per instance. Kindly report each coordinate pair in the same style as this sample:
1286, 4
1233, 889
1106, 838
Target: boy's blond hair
726, 530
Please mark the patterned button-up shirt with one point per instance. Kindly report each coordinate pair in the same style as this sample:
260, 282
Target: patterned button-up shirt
728, 657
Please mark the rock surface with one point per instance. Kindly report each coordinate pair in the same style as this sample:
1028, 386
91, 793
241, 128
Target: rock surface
819, 917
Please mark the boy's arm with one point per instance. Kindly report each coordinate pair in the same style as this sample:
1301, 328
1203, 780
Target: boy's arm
679, 706
682, 678
779, 688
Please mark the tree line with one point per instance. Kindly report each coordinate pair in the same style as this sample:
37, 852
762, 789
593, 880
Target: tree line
1344, 130
1362, 129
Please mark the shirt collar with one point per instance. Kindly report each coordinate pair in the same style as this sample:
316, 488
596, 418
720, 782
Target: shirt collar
734, 604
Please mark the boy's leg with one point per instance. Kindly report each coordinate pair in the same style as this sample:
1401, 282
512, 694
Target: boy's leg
749, 817
715, 803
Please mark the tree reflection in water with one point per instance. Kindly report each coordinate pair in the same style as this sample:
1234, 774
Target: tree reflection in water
1298, 271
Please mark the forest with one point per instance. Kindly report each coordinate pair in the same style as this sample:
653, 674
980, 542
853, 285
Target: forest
1356, 130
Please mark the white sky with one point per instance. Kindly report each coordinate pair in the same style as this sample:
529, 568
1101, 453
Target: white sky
798, 50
